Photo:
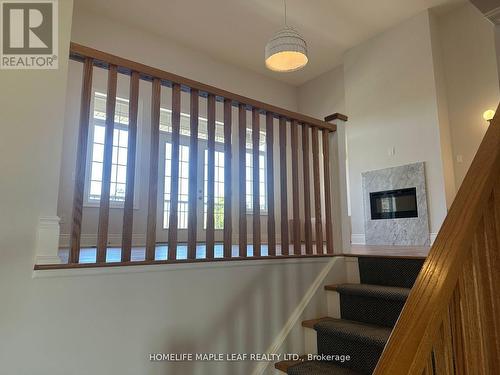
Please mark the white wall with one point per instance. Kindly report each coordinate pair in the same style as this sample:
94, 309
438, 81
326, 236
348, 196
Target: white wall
106, 322
104, 34
323, 95
469, 58
391, 102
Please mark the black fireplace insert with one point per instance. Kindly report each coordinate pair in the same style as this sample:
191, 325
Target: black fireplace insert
394, 204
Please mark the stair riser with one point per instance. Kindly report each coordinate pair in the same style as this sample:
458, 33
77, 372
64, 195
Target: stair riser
364, 356
389, 271
333, 304
370, 310
311, 341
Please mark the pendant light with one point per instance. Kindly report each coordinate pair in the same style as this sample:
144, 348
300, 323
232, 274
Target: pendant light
287, 50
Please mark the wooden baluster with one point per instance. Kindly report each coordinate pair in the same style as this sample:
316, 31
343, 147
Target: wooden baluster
428, 370
295, 188
173, 220
210, 177
81, 161
283, 189
153, 170
493, 255
443, 354
470, 319
327, 187
256, 182
485, 290
242, 135
193, 174
271, 226
317, 192
102, 229
307, 189
457, 332
228, 194
128, 209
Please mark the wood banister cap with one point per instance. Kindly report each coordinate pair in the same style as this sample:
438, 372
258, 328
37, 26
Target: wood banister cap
336, 116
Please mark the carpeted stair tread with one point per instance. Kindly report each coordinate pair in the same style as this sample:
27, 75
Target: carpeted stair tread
392, 293
354, 331
311, 322
319, 368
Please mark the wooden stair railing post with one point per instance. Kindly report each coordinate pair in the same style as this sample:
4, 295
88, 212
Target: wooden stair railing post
193, 174
81, 161
242, 135
153, 170
210, 178
327, 192
307, 189
173, 222
228, 195
318, 222
102, 228
128, 208
295, 188
340, 223
256, 181
285, 239
271, 226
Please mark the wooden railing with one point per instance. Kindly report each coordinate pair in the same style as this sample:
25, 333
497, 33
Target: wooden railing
450, 323
320, 131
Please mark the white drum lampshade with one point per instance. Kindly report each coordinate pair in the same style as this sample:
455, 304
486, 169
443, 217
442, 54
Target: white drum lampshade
286, 51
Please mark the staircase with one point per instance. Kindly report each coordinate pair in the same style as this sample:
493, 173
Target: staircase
368, 312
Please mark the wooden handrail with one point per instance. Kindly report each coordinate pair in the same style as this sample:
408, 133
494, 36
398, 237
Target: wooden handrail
449, 286
288, 121
79, 52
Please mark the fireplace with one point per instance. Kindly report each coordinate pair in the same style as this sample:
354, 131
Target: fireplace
394, 204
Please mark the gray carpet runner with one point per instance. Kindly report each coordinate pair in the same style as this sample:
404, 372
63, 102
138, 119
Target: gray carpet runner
369, 311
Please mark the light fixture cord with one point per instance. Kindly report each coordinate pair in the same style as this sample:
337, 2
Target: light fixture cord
284, 2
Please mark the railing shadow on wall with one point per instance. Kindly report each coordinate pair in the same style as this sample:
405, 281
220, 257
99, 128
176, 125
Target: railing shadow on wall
309, 147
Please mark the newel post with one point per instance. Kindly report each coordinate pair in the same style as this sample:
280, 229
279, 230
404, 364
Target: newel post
338, 184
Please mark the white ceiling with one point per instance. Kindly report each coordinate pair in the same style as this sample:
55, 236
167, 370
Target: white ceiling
236, 31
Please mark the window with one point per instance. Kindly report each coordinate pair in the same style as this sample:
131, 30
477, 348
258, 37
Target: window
218, 190
182, 207
249, 172
120, 146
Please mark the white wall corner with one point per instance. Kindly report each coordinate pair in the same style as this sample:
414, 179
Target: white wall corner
341, 220
47, 240
358, 239
433, 237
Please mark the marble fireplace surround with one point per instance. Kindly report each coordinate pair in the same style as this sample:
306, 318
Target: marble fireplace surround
404, 231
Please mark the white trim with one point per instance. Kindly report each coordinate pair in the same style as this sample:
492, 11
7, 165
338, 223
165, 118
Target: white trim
296, 314
433, 237
358, 239
47, 240
100, 271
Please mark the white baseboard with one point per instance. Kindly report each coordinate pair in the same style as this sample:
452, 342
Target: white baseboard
47, 240
358, 239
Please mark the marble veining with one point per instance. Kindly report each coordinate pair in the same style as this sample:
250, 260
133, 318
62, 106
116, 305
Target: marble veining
403, 231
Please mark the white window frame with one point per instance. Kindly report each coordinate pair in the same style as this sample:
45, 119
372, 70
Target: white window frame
87, 202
